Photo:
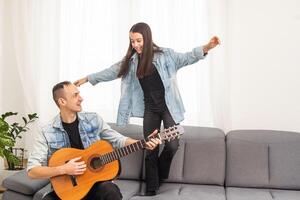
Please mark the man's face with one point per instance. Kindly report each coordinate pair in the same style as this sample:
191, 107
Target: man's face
72, 99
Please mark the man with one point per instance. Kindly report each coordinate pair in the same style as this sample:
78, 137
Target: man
76, 129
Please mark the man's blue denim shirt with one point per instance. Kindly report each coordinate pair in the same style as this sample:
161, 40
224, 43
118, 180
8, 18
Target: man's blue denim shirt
53, 137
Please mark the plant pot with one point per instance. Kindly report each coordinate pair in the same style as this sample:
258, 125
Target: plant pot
11, 167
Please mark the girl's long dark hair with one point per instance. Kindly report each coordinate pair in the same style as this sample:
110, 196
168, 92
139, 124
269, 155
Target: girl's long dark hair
149, 48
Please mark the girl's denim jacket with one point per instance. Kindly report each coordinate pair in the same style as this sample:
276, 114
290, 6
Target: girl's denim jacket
167, 62
53, 137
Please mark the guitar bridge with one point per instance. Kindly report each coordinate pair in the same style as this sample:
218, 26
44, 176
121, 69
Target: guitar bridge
73, 180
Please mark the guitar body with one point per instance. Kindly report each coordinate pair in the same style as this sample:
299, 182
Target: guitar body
76, 187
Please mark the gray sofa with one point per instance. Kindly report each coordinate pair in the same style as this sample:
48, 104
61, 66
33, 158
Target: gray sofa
244, 165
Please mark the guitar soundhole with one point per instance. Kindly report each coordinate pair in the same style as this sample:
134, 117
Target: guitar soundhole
96, 162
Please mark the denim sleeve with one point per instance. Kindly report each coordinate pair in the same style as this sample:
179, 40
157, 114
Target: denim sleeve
108, 74
38, 156
188, 58
116, 139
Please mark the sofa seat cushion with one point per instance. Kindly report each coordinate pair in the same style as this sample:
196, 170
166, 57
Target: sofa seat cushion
20, 182
129, 188
173, 191
46, 193
11, 195
286, 194
234, 193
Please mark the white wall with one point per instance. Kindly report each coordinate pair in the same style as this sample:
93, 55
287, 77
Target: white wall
264, 63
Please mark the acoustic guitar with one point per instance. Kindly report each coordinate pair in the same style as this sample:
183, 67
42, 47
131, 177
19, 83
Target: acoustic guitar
102, 163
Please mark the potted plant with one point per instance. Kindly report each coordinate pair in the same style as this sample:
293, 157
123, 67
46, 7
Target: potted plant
9, 132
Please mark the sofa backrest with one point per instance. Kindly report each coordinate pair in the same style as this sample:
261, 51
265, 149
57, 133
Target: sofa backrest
132, 164
263, 158
200, 158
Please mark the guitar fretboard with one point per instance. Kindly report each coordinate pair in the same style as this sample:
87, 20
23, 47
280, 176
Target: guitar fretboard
166, 134
124, 151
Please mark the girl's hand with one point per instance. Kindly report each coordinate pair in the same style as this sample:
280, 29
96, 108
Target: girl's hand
213, 42
81, 81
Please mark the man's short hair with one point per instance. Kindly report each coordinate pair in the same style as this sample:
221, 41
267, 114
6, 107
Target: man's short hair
58, 90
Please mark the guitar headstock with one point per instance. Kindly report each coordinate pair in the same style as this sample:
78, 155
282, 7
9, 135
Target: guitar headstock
171, 133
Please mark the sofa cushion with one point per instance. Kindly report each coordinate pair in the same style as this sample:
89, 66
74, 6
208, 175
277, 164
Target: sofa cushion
45, 193
233, 193
247, 164
263, 158
200, 158
11, 195
20, 182
128, 188
175, 191
131, 165
284, 165
285, 194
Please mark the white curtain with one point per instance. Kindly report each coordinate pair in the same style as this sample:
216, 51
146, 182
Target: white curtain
1, 49
56, 40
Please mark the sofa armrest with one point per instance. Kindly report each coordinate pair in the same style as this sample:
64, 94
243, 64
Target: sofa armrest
20, 182
46, 193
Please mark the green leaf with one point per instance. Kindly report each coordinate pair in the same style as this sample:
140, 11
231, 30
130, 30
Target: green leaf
10, 157
11, 132
25, 120
15, 124
32, 116
7, 114
6, 141
1, 152
4, 126
19, 129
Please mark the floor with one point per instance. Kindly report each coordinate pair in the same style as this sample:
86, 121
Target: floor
1, 191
